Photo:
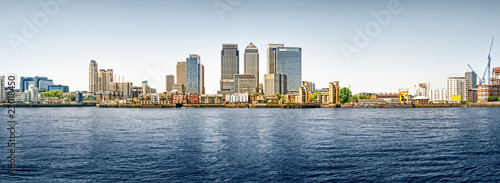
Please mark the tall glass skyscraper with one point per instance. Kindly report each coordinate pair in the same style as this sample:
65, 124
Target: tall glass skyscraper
271, 57
193, 75
289, 63
230, 64
251, 62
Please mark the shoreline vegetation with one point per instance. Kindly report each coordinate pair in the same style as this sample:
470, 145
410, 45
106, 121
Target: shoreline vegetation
283, 106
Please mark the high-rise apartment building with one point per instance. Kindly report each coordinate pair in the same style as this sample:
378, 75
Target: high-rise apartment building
333, 92
457, 86
289, 63
93, 77
181, 73
251, 63
274, 83
193, 74
230, 58
169, 80
471, 79
105, 77
271, 57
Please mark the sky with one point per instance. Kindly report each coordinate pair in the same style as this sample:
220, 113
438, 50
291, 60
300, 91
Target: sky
367, 45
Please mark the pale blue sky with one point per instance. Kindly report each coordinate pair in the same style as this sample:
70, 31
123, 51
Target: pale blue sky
427, 41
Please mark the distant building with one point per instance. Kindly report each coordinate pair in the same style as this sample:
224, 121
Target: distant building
63, 88
145, 88
485, 91
41, 83
121, 89
251, 63
170, 79
229, 67
105, 77
271, 58
472, 95
179, 88
78, 97
457, 86
237, 98
495, 80
423, 89
389, 97
136, 91
291, 98
181, 74
304, 94
289, 63
245, 83
93, 77
334, 92
312, 86
471, 80
438, 95
211, 99
193, 74
275, 83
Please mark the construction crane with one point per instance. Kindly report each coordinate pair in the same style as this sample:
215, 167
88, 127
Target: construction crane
482, 80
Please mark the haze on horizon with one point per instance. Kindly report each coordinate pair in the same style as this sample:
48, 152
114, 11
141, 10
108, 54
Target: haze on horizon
422, 41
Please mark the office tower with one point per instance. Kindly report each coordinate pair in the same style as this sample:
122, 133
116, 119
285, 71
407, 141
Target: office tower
193, 75
202, 75
244, 83
41, 83
2, 89
105, 77
457, 89
333, 92
271, 57
170, 79
93, 77
251, 63
274, 83
289, 63
145, 87
181, 73
63, 88
229, 67
471, 79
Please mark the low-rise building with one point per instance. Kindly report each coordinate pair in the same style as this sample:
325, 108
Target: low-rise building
485, 91
291, 98
237, 98
193, 98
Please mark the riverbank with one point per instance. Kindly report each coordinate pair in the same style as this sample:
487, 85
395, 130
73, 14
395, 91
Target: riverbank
283, 106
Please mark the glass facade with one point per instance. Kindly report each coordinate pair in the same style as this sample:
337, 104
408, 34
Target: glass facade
63, 88
289, 63
41, 83
193, 77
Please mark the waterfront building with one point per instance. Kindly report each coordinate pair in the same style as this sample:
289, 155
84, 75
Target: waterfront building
275, 83
121, 89
181, 74
472, 95
457, 87
193, 74
388, 97
212, 99
229, 67
304, 94
485, 91
169, 80
103, 96
245, 83
322, 98
471, 80
291, 98
63, 88
193, 98
271, 57
93, 77
40, 82
3, 95
105, 77
165, 98
438, 96
78, 97
251, 63
423, 89
334, 92
179, 99
237, 98
34, 94
289, 63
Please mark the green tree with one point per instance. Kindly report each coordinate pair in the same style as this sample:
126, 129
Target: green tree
345, 95
278, 95
492, 98
53, 93
355, 97
314, 96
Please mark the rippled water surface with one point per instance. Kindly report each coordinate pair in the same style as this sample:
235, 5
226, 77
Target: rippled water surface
280, 145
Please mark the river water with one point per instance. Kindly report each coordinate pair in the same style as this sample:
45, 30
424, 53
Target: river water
265, 145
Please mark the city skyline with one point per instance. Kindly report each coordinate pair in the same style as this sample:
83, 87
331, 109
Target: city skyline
421, 37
